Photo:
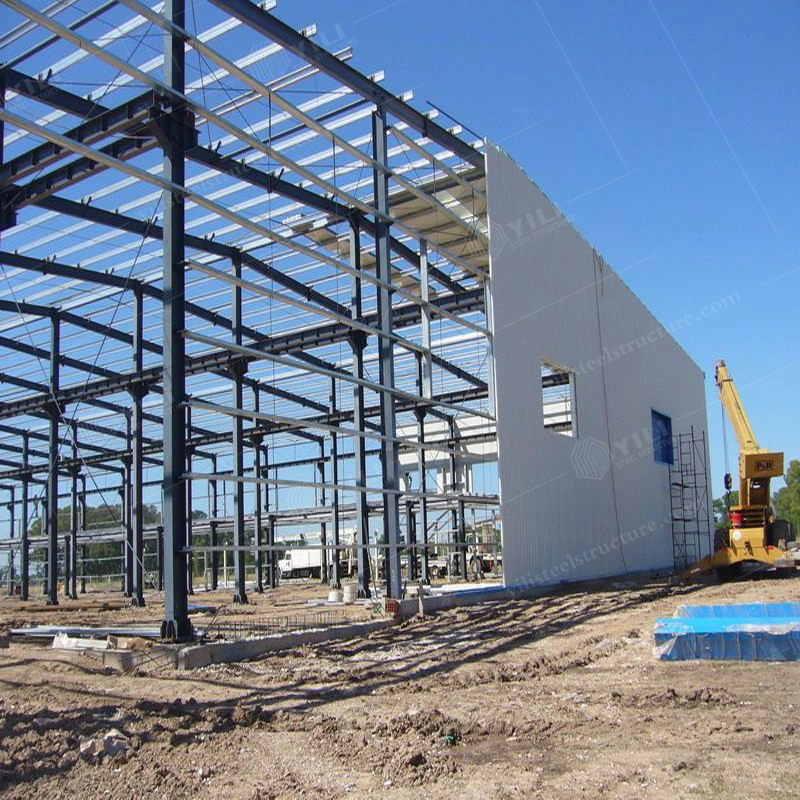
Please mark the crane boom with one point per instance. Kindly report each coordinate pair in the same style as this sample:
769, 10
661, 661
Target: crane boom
732, 403
756, 465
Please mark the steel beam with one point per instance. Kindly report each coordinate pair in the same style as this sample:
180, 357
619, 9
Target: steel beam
49, 94
102, 123
326, 62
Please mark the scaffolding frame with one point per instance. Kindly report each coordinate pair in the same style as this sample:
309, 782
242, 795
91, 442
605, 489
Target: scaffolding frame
688, 482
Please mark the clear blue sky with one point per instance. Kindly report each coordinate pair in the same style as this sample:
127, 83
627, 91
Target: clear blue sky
667, 132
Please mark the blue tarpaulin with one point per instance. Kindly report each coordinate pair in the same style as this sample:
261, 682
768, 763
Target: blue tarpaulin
787, 609
743, 632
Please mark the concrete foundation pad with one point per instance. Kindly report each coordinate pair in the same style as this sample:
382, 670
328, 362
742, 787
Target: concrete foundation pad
222, 652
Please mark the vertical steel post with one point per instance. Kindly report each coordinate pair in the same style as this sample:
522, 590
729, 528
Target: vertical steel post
176, 624
238, 369
24, 549
336, 570
46, 559
422, 468
127, 518
457, 513
53, 412
462, 537
160, 556
426, 377
84, 548
138, 392
272, 556
11, 523
67, 566
358, 341
425, 388
383, 270
72, 591
257, 532
323, 527
213, 528
273, 567
189, 506
411, 535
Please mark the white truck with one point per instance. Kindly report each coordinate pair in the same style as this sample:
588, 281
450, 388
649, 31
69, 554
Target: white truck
301, 564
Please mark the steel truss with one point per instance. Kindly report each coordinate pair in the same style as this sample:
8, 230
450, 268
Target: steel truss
271, 309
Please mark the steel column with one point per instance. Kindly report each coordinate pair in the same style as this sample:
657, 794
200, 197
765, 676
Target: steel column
389, 450
323, 526
24, 549
53, 412
336, 581
67, 566
272, 556
462, 538
411, 535
11, 524
255, 438
160, 556
423, 487
189, 506
72, 589
238, 369
176, 625
426, 376
84, 549
138, 392
273, 567
358, 341
213, 526
127, 516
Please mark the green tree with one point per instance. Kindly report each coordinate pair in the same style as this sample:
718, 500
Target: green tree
787, 499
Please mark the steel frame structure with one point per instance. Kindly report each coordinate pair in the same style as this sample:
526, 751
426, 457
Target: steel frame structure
230, 271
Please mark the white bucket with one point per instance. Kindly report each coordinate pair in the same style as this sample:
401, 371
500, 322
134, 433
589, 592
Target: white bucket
335, 596
350, 593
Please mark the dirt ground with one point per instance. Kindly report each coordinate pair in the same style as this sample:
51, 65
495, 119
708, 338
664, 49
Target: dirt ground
556, 697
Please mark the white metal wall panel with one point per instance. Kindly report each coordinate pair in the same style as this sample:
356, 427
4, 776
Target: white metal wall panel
598, 504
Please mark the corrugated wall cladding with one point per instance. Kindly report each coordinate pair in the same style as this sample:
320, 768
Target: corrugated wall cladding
596, 504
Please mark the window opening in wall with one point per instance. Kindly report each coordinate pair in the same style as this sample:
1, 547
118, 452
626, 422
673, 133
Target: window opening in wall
662, 438
558, 399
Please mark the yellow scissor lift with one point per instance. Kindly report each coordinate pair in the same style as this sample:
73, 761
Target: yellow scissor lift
749, 538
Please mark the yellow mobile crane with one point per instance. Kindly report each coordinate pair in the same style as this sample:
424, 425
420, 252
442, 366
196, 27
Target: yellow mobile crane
752, 523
